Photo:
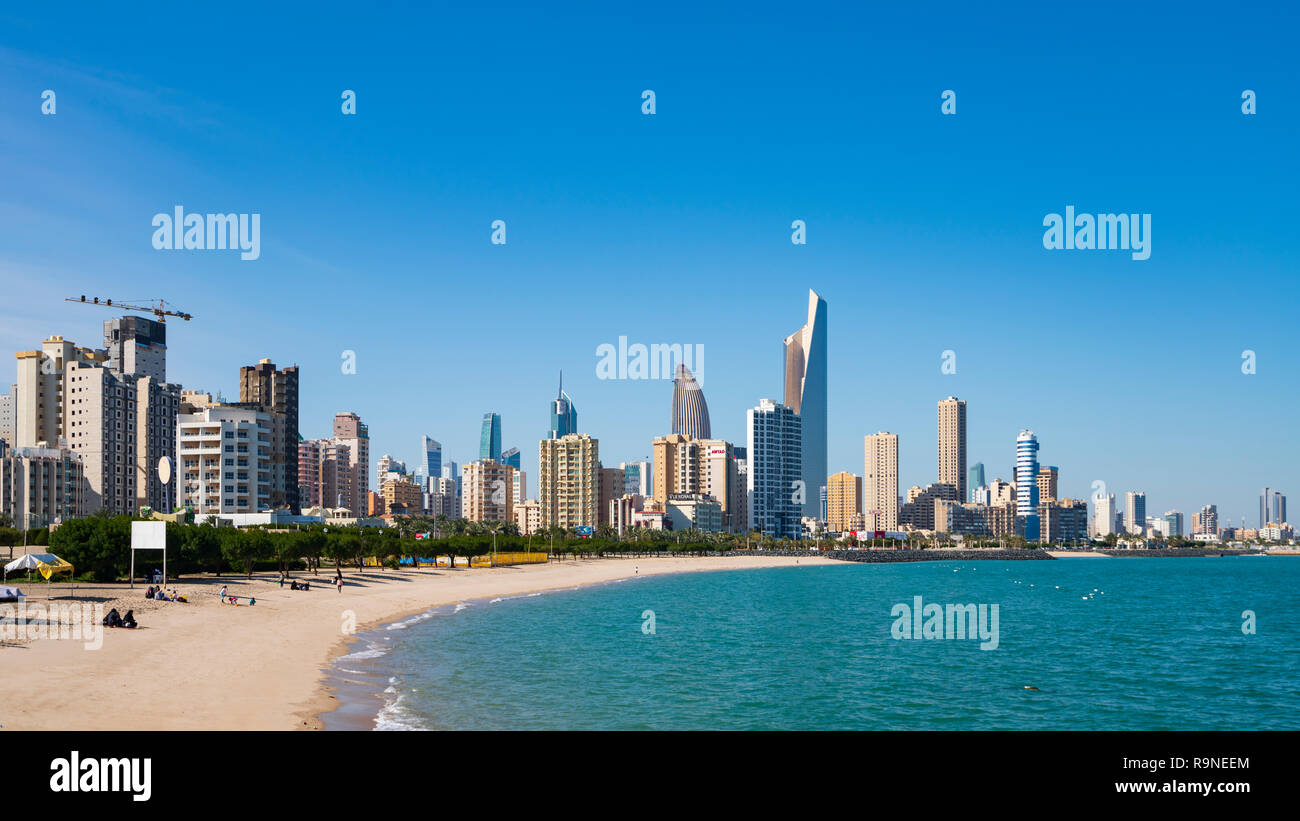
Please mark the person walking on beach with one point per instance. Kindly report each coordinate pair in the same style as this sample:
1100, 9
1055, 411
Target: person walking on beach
338, 582
223, 594
281, 578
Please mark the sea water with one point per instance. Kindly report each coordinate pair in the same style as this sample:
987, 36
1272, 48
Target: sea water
1106, 644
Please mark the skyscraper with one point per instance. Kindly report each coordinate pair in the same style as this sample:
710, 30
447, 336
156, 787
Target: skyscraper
843, 500
975, 480
880, 481
690, 411
1135, 512
432, 457
1103, 522
805, 394
1027, 483
276, 392
489, 446
1173, 523
775, 448
952, 445
569, 481
1048, 478
349, 430
564, 414
510, 457
1272, 507
136, 346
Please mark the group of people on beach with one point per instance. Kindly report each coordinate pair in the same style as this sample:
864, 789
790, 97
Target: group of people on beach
115, 619
306, 585
227, 598
158, 594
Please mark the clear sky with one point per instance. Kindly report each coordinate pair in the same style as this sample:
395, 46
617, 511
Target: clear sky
924, 231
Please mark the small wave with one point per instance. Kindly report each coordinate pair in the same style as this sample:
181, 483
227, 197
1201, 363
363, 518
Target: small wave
461, 606
373, 651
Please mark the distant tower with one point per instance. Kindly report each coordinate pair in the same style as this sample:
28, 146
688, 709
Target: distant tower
952, 445
690, 411
490, 440
1027, 482
805, 394
564, 415
975, 480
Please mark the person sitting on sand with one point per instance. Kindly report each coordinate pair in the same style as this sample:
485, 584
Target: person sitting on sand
306, 585
148, 594
160, 595
293, 585
113, 619
129, 619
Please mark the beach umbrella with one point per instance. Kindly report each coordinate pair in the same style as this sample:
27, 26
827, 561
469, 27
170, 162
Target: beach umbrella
47, 564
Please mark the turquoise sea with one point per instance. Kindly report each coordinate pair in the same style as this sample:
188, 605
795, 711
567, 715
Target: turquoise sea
1110, 644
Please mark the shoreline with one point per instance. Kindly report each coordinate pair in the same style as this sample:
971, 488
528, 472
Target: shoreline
204, 665
325, 701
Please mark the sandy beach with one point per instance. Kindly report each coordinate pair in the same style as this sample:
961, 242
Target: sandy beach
204, 665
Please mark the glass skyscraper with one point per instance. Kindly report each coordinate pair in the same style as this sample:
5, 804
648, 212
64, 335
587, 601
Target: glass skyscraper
490, 441
510, 457
564, 414
975, 480
690, 414
1027, 483
432, 458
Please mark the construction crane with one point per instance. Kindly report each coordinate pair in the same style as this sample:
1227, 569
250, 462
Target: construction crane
160, 310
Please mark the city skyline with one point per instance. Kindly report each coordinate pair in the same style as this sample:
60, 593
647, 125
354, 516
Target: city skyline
697, 199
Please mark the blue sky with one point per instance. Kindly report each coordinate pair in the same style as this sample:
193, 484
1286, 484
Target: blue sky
924, 230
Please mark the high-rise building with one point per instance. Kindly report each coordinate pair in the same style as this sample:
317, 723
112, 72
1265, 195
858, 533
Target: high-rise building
564, 414
843, 500
974, 480
225, 460
489, 446
1048, 476
40, 486
528, 517
487, 491
776, 488
441, 497
1135, 512
638, 478
1063, 521
880, 481
684, 466
510, 457
952, 445
432, 457
805, 394
1173, 523
350, 431
1272, 507
611, 489
276, 392
690, 416
920, 510
136, 346
1104, 515
1027, 483
1207, 521
569, 481
324, 473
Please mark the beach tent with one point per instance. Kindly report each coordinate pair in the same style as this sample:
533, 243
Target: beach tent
47, 564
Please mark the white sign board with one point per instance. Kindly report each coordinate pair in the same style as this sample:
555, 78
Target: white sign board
148, 536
